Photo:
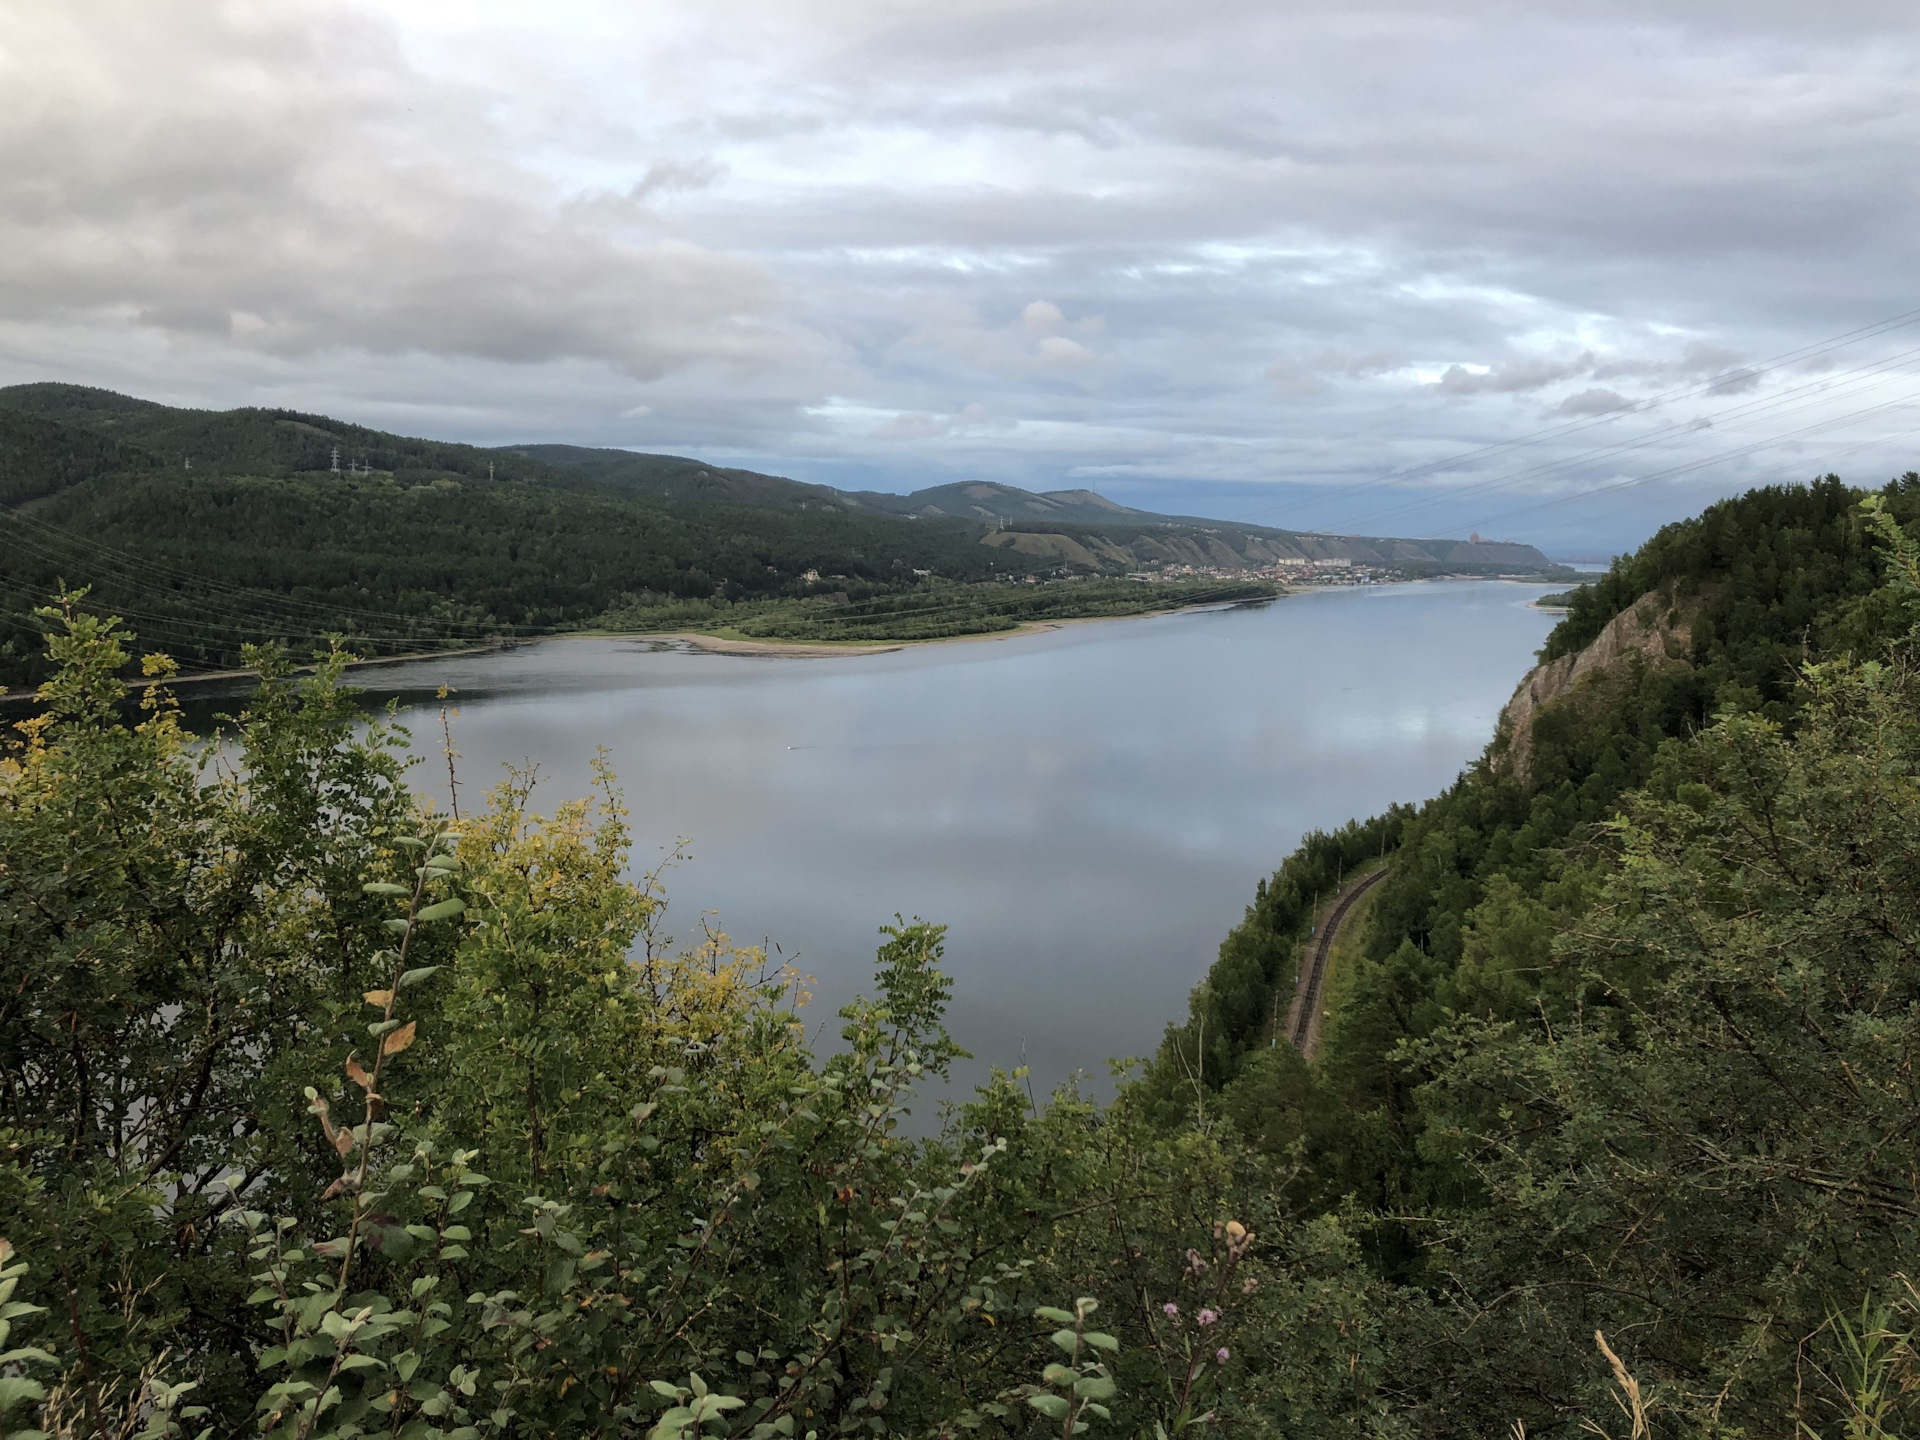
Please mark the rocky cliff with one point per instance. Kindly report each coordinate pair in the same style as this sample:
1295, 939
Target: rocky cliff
1653, 627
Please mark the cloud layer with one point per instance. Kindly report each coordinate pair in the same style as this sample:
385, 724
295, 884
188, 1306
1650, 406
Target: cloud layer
1304, 262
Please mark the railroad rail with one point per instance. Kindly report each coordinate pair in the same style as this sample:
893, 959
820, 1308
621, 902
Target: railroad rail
1303, 1023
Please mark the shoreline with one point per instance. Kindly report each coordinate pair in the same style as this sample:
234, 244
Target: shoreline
709, 644
764, 649
827, 650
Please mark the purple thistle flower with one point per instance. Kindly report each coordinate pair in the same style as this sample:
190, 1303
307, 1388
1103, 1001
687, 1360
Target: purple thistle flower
1206, 1317
1173, 1310
1221, 1354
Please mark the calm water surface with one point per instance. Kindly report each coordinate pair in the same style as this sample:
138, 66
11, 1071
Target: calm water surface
1087, 810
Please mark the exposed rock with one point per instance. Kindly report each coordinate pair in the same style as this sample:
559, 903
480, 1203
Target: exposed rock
1652, 627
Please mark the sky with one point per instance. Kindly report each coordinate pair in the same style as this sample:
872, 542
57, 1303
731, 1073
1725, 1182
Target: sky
1552, 273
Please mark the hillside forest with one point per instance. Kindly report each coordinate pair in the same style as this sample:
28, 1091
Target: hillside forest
208, 531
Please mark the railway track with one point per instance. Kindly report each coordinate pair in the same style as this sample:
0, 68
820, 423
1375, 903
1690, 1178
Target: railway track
1303, 1021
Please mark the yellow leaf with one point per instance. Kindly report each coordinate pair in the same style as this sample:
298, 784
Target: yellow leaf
398, 1040
382, 998
357, 1075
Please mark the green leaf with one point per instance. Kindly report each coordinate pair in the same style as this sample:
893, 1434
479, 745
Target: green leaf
1066, 1340
398, 927
1053, 1316
1094, 1387
14, 1389
445, 910
384, 887
1052, 1406
414, 977
673, 1422
1100, 1341
672, 1392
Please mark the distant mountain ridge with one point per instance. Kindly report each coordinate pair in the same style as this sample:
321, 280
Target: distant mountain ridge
1098, 530
1079, 529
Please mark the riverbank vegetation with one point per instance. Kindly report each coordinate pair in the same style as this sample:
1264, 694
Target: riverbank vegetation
209, 531
933, 612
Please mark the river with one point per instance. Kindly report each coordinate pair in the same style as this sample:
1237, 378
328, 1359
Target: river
1087, 809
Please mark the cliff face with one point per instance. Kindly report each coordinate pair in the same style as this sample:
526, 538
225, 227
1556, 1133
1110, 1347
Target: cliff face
1652, 628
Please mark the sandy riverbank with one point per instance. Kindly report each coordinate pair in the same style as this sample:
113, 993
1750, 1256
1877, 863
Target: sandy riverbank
805, 650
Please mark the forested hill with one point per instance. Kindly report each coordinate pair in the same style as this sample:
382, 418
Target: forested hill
205, 559
1076, 528
284, 443
1635, 1074
213, 529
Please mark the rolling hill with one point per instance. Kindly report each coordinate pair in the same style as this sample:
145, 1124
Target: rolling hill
211, 529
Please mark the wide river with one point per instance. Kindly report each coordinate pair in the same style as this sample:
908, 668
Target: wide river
1087, 809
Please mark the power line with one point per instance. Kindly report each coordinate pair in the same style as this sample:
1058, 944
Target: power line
1735, 454
1798, 398
1805, 352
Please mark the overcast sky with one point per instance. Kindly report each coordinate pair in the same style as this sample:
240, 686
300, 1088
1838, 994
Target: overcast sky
1300, 263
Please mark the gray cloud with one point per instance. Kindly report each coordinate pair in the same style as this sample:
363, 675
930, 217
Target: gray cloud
1594, 401
1511, 377
1227, 257
279, 179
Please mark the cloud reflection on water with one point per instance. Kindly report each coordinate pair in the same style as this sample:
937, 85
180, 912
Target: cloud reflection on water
1089, 810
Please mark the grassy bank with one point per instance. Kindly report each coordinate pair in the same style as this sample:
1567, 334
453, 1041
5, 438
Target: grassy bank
936, 612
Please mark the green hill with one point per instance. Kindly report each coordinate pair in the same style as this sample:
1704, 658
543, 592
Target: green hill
1078, 529
213, 529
